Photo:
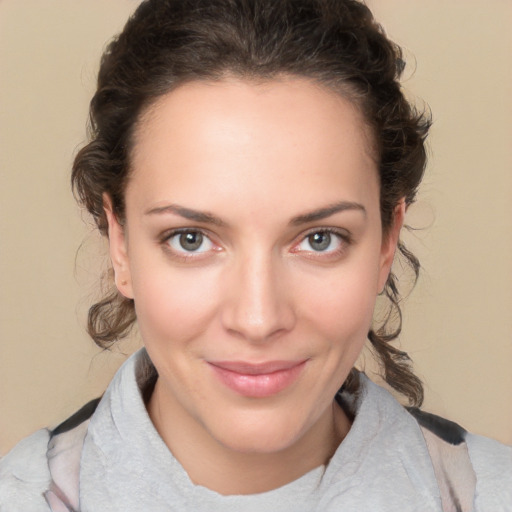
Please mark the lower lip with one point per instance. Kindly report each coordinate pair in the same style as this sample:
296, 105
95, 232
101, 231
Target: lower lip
258, 386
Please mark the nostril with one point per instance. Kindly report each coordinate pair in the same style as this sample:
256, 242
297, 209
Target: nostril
258, 324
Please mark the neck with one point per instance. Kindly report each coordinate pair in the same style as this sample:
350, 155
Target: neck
213, 465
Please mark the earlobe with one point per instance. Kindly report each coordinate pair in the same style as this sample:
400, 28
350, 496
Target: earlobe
118, 250
390, 243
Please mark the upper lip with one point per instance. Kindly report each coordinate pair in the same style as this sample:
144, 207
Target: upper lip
246, 368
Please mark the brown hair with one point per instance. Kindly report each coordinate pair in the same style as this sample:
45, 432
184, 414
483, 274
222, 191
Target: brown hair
334, 42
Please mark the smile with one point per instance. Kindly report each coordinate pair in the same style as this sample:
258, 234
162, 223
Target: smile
257, 380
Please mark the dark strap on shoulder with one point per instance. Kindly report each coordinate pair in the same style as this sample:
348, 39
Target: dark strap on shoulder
447, 430
83, 414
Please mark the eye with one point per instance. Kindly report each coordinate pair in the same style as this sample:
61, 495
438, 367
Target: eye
189, 242
323, 241
320, 241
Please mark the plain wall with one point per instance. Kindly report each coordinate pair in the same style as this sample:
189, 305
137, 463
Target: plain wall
458, 320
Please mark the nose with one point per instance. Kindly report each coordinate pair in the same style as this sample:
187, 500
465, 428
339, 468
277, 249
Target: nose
259, 305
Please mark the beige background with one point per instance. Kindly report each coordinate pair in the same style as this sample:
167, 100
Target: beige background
458, 321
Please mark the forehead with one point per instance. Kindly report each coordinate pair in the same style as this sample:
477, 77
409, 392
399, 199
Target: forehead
236, 136
290, 98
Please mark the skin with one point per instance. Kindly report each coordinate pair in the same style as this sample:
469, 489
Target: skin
257, 158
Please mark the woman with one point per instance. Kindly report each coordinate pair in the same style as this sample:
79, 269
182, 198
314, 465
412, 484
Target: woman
251, 163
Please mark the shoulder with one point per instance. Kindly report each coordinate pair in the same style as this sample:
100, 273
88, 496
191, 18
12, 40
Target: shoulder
49, 460
24, 475
29, 472
455, 452
492, 462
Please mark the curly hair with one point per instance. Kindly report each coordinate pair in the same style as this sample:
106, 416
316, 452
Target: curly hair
336, 43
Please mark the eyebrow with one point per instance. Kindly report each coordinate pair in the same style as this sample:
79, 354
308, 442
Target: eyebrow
208, 218
323, 213
187, 213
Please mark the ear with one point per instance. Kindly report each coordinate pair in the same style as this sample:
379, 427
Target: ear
390, 243
118, 250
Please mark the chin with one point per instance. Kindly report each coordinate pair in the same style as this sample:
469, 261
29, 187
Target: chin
258, 436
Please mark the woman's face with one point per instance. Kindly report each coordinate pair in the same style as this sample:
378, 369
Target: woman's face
254, 252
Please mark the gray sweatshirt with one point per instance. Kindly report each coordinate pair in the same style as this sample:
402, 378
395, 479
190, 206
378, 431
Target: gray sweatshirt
383, 465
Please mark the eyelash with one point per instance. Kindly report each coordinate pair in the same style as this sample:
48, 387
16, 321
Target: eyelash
344, 237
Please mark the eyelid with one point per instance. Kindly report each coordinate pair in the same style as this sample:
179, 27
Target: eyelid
169, 233
342, 233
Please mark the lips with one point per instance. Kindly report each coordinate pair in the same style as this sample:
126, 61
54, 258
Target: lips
257, 380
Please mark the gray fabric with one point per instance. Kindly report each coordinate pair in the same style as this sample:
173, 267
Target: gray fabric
492, 463
24, 475
382, 465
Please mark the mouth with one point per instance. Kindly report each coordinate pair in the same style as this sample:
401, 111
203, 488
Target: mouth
257, 380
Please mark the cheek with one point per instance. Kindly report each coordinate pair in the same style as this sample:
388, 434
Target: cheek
172, 306
344, 302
